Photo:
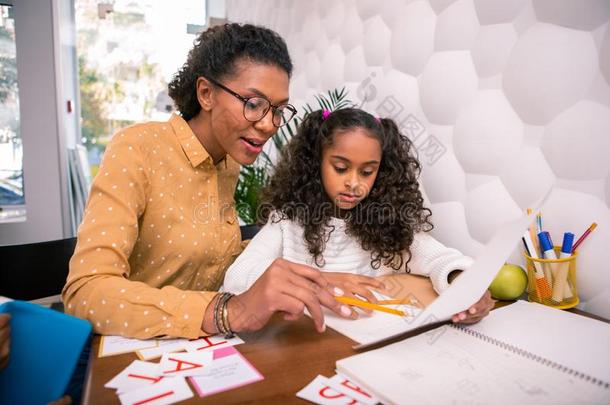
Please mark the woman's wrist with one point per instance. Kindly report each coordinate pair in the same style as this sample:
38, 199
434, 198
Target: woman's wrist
234, 310
221, 315
208, 325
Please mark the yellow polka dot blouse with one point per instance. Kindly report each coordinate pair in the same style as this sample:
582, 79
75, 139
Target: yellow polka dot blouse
159, 231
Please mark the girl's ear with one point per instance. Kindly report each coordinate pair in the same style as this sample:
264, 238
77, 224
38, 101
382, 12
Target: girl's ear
205, 94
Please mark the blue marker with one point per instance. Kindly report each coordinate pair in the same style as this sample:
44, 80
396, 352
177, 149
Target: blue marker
566, 246
546, 246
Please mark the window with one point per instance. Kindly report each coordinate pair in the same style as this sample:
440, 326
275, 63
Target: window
12, 198
128, 52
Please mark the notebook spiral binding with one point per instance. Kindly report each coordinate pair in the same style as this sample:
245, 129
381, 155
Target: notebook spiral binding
534, 357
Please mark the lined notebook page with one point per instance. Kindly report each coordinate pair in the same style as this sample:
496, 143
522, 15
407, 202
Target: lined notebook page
449, 365
571, 340
452, 367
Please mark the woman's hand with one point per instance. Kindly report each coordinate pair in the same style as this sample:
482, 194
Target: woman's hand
285, 287
5, 339
476, 312
354, 285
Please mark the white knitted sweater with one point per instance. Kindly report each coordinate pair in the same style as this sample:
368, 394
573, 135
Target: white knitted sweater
342, 254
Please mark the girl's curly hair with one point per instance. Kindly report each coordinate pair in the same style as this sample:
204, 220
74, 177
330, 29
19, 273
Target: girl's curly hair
214, 55
384, 222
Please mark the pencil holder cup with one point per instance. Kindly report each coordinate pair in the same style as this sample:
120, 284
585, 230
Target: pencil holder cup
552, 282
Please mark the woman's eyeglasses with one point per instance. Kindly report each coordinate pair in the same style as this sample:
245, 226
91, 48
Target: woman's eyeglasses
256, 108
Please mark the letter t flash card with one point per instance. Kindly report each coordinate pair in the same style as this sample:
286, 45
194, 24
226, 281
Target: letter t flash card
167, 391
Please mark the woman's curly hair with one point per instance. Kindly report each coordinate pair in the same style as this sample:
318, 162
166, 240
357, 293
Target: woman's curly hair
214, 55
384, 222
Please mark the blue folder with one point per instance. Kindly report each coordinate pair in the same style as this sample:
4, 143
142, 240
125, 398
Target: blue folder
45, 348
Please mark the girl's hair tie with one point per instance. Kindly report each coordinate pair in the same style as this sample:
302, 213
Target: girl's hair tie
325, 114
378, 120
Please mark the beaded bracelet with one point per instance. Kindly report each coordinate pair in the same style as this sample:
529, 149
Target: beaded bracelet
216, 308
221, 319
225, 318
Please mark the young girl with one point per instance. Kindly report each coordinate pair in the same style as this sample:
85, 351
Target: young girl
344, 198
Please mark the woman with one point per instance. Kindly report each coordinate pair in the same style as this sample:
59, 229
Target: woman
160, 227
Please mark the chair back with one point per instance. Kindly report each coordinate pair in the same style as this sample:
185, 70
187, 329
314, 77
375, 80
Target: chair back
35, 270
248, 231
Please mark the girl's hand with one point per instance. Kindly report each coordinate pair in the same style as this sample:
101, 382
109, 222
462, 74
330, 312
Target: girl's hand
476, 312
355, 286
5, 339
288, 288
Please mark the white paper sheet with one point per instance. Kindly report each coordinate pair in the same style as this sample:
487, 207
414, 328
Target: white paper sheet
112, 345
377, 326
229, 370
166, 391
164, 346
571, 340
319, 392
137, 375
185, 364
341, 383
211, 343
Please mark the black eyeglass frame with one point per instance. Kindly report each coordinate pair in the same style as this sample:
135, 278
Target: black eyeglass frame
245, 100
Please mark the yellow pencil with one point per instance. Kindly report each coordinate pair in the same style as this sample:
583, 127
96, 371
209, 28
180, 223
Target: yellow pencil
403, 301
365, 304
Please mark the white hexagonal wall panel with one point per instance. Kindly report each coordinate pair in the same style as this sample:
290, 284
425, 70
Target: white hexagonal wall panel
498, 11
413, 38
312, 23
526, 175
333, 18
336, 58
580, 136
440, 5
536, 77
604, 55
450, 226
488, 134
355, 65
448, 83
608, 190
492, 48
456, 27
312, 73
404, 93
352, 30
487, 208
578, 14
376, 41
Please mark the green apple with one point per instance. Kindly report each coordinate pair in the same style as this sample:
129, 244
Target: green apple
510, 282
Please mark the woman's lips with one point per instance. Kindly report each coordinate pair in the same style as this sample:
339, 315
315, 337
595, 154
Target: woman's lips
253, 145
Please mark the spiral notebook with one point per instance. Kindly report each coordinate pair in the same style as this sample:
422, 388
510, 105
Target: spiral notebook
524, 353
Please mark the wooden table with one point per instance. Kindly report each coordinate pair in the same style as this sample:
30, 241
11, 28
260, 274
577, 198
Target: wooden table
288, 354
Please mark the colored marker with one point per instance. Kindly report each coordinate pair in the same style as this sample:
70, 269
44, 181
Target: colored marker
542, 284
559, 272
566, 251
583, 237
